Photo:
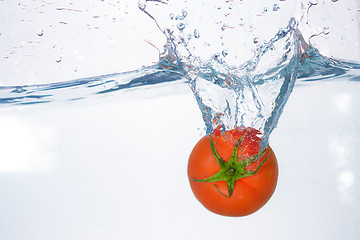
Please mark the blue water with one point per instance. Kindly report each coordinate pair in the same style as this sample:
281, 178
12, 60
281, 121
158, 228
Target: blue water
251, 93
316, 68
86, 87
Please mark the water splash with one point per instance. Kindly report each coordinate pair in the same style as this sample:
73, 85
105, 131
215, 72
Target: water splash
232, 92
239, 73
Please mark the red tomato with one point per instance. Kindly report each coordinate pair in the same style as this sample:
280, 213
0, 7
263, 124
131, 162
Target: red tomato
229, 175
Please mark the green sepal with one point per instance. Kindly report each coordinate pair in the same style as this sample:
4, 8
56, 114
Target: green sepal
232, 170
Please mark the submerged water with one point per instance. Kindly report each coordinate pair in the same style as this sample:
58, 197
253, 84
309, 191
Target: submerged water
234, 84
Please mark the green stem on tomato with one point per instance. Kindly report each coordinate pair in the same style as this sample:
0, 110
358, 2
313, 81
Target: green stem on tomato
232, 170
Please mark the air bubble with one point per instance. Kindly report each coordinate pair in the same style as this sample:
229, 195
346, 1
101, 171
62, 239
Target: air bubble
181, 26
265, 9
256, 40
171, 15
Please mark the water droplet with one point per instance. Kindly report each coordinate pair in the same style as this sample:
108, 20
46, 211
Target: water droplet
224, 27
181, 40
256, 40
224, 53
184, 13
58, 59
241, 22
281, 33
216, 56
196, 33
276, 7
179, 17
142, 5
40, 32
292, 23
181, 26
326, 30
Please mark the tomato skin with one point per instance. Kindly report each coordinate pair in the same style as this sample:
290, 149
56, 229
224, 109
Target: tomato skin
250, 193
